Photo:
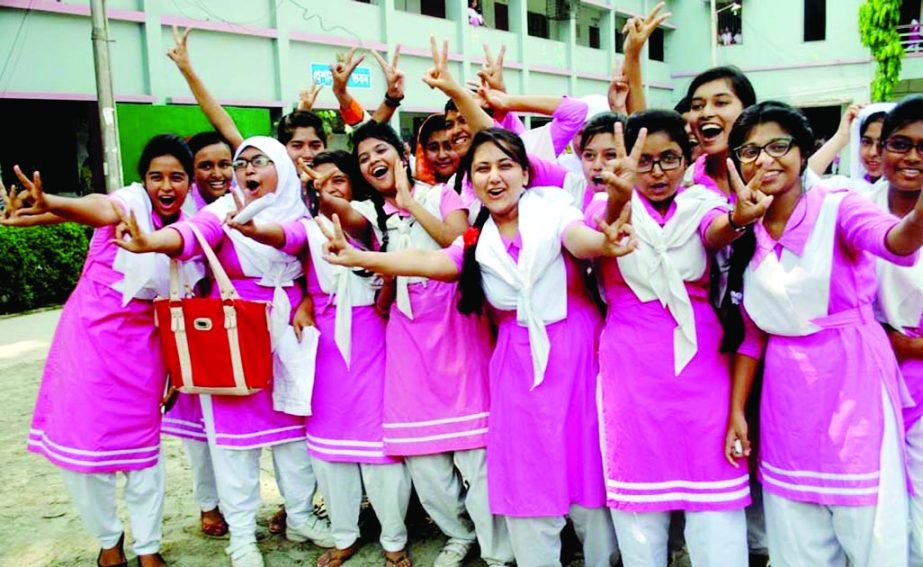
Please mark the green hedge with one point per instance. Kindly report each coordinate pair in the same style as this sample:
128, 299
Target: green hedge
39, 266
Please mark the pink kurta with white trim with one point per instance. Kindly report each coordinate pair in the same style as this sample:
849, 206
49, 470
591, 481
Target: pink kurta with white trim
242, 422
821, 412
436, 381
98, 407
543, 450
346, 408
664, 433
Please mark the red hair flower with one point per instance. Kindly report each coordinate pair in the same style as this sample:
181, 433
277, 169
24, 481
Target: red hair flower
471, 236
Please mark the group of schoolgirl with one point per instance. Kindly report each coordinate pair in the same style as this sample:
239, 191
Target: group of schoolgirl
461, 349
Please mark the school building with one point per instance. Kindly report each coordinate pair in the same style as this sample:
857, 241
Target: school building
255, 56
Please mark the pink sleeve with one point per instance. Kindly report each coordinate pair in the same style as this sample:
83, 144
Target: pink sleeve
450, 202
546, 173
208, 224
566, 121
709, 217
512, 123
864, 227
296, 236
593, 210
754, 338
456, 252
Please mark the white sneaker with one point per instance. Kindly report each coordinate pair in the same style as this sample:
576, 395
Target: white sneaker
453, 553
247, 555
316, 530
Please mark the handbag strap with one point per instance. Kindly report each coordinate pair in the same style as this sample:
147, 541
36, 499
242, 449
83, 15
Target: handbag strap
221, 277
174, 280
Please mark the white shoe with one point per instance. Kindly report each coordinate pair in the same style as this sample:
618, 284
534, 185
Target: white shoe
453, 553
247, 555
316, 530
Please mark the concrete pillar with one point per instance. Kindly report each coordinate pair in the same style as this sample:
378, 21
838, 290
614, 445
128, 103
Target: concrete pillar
519, 26
570, 43
287, 86
156, 64
385, 13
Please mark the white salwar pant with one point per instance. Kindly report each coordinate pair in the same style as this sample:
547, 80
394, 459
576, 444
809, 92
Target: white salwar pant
94, 496
204, 489
802, 533
443, 496
537, 540
237, 475
714, 539
388, 489
915, 465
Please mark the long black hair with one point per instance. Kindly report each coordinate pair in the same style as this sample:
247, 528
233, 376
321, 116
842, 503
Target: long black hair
906, 112
364, 190
668, 122
739, 83
166, 145
343, 160
797, 126
471, 293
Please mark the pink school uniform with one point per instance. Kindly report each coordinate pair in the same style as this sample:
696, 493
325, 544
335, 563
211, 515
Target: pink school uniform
346, 420
543, 452
822, 419
664, 405
436, 388
98, 407
242, 422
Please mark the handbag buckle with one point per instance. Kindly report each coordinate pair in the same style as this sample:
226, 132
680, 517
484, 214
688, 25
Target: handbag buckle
202, 324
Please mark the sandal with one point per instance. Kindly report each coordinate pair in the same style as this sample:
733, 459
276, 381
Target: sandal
277, 521
119, 546
157, 555
213, 523
336, 557
400, 559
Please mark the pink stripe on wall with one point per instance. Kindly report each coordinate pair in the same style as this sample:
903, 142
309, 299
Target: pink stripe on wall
233, 102
811, 65
549, 70
71, 9
87, 97
426, 53
168, 20
341, 41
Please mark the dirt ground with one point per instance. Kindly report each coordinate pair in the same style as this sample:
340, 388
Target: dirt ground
38, 525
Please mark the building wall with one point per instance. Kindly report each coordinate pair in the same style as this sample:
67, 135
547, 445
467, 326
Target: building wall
258, 53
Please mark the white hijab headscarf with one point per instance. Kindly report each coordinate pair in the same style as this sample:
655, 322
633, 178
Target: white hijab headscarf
856, 167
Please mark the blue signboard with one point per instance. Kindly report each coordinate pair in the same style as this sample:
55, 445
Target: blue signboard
360, 79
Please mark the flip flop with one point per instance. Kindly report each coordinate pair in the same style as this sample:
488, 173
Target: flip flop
336, 557
214, 528
277, 521
402, 560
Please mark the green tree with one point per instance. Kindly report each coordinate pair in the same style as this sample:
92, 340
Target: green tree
878, 21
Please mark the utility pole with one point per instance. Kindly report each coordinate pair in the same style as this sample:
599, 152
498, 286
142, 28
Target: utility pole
108, 122
713, 25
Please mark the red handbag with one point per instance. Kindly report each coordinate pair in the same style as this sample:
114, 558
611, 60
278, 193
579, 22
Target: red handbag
214, 346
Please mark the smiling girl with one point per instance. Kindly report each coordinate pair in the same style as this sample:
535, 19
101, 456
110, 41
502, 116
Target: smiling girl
899, 305
98, 407
238, 427
543, 440
830, 453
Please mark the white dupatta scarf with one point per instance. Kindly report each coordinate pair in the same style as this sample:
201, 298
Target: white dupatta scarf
535, 285
784, 295
147, 275
345, 288
669, 256
900, 288
404, 232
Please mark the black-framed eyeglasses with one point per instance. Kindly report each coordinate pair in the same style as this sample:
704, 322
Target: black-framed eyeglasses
776, 148
257, 162
902, 145
668, 162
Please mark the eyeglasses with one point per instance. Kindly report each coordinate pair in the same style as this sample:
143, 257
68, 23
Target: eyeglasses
668, 162
257, 162
774, 148
902, 145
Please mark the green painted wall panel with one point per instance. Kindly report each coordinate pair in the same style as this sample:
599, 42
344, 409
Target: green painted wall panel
139, 122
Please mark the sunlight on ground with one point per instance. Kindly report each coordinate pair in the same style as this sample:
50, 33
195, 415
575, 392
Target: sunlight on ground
19, 348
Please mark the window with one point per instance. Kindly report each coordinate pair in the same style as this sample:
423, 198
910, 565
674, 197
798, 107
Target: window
537, 24
501, 17
655, 45
435, 8
619, 36
594, 37
730, 23
815, 20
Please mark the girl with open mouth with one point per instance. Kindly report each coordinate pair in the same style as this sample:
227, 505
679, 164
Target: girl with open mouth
239, 427
99, 402
830, 430
520, 258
